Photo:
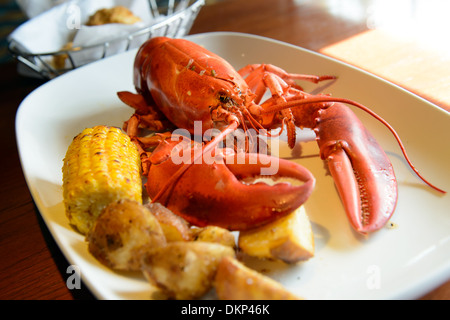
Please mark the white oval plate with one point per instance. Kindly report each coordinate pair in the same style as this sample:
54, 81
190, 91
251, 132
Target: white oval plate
395, 263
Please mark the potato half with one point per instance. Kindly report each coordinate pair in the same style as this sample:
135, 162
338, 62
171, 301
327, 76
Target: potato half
123, 232
214, 234
174, 227
289, 239
235, 281
184, 270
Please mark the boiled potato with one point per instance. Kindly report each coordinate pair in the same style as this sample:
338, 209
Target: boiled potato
184, 269
214, 234
174, 227
123, 232
289, 239
235, 281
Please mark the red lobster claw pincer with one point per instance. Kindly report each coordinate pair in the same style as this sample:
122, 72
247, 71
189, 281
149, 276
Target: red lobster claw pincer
218, 192
362, 172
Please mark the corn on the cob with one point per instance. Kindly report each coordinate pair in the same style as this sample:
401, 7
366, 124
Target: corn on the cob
101, 165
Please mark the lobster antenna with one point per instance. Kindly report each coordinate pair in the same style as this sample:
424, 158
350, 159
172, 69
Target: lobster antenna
206, 148
321, 99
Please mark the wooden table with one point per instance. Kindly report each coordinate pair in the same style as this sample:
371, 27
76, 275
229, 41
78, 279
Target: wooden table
364, 33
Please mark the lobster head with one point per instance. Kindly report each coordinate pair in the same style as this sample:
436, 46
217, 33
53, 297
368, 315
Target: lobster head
188, 82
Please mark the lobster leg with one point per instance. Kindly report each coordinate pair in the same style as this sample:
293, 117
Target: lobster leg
224, 197
147, 116
282, 85
256, 72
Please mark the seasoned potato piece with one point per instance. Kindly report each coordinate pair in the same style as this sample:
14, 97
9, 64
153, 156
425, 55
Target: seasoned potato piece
123, 233
235, 281
184, 270
214, 234
174, 227
289, 239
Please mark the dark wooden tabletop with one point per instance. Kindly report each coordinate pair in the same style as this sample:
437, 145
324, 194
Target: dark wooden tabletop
31, 264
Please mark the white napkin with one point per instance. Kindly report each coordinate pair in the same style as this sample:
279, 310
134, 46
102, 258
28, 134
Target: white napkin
51, 30
32, 8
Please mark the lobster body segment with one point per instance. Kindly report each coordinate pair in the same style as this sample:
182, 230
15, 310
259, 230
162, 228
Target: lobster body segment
180, 82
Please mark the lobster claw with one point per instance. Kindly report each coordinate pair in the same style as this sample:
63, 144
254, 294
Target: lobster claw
219, 193
363, 175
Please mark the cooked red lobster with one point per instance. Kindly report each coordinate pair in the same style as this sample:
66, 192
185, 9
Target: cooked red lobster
179, 83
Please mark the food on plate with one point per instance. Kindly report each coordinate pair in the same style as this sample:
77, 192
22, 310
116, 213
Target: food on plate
289, 239
117, 14
123, 233
184, 270
101, 166
179, 81
214, 234
102, 190
191, 84
174, 227
235, 281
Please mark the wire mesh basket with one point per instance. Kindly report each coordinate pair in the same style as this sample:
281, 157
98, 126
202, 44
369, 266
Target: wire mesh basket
175, 19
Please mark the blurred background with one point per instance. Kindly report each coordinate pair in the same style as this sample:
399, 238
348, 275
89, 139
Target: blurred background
10, 18
381, 36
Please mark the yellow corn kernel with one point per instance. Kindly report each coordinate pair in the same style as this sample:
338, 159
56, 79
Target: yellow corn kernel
101, 165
